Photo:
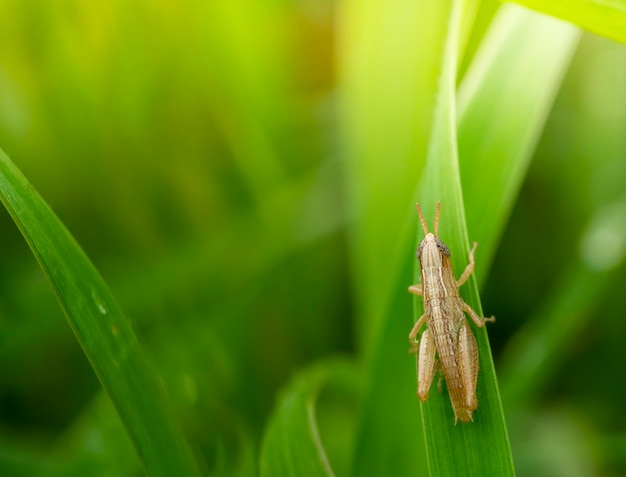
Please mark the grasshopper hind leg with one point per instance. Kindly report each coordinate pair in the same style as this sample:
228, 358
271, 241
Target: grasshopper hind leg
426, 364
468, 365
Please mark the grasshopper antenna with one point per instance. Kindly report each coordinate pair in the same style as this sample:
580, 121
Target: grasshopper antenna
422, 219
437, 219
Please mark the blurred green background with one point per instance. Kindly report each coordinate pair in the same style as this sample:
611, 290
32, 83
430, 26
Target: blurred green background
198, 151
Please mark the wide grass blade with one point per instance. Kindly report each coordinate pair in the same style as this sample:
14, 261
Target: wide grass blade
607, 18
101, 328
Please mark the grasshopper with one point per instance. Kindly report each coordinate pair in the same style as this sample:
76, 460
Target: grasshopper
447, 333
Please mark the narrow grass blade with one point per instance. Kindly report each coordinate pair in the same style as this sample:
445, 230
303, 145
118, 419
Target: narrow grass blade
101, 328
481, 447
607, 18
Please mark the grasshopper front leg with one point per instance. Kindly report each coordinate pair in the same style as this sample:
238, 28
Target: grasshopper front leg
470, 267
416, 289
415, 330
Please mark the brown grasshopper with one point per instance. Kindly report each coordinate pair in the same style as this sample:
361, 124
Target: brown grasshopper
447, 333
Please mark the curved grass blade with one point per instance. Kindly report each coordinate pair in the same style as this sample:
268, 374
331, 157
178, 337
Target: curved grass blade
104, 333
606, 18
292, 444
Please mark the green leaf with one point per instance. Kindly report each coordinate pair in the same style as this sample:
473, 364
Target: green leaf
607, 18
292, 444
104, 333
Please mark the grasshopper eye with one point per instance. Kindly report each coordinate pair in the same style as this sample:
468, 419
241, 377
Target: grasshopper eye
419, 251
443, 248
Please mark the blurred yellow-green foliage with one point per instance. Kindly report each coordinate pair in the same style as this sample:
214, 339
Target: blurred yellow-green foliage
196, 151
